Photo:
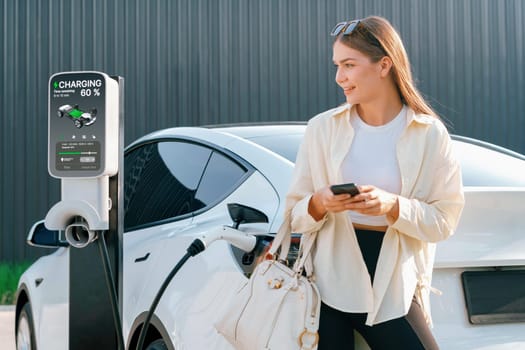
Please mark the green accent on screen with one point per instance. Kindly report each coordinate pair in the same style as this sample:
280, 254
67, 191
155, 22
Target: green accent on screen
75, 113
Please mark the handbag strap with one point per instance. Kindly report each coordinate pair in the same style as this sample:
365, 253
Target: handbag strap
283, 239
304, 260
309, 338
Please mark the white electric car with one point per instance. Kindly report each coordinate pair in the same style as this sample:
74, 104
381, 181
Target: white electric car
178, 184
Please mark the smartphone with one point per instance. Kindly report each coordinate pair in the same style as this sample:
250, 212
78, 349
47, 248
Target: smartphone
350, 188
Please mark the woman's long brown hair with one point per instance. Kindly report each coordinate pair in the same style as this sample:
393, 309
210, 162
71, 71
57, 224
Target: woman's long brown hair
375, 37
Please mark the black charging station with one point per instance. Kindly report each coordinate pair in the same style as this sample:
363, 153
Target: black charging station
86, 143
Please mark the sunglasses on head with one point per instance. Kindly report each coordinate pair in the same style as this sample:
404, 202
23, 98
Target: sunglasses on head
346, 27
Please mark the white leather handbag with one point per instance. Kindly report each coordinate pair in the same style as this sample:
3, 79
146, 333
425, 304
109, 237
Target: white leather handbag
278, 308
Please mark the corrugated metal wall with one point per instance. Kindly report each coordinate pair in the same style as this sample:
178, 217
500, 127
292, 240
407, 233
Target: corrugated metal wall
192, 62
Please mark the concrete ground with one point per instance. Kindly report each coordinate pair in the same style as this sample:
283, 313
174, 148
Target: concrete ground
7, 328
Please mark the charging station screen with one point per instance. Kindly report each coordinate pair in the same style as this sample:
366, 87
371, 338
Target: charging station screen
76, 124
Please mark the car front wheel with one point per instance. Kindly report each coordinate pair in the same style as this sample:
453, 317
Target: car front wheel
158, 344
25, 335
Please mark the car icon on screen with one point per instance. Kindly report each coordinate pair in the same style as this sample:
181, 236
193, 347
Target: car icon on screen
79, 117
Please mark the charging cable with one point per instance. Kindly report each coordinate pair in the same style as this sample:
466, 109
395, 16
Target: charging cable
237, 238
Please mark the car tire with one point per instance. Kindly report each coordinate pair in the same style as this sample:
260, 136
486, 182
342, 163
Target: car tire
60, 114
78, 124
25, 332
158, 344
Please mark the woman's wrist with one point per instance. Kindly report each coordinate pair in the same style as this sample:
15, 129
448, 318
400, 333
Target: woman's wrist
393, 213
315, 208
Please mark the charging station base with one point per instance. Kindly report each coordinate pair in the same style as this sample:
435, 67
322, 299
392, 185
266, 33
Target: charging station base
91, 317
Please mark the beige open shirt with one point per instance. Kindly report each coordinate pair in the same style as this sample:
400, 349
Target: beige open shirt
430, 205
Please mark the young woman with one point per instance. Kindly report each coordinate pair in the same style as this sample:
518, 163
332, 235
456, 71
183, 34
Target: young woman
375, 250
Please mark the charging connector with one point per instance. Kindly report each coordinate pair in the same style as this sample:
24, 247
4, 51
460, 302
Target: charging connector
241, 240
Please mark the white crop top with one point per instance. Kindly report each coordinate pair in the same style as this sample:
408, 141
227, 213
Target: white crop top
372, 160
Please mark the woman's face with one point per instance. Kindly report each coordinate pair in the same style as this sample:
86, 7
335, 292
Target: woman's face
356, 74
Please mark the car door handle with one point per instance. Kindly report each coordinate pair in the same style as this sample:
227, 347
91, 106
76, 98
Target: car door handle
144, 258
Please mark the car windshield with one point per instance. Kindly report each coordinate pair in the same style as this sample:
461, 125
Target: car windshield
480, 165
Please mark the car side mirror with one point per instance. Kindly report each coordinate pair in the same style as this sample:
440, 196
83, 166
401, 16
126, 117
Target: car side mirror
40, 236
242, 214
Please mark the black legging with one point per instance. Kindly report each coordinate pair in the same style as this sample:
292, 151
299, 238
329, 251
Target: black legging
409, 332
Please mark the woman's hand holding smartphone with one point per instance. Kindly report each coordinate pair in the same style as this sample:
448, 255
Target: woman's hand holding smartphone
349, 188
324, 201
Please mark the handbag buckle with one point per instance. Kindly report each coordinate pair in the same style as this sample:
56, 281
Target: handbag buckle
306, 336
275, 283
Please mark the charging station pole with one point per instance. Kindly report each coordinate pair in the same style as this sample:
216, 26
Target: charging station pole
86, 153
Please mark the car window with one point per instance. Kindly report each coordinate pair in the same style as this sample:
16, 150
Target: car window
161, 180
221, 177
